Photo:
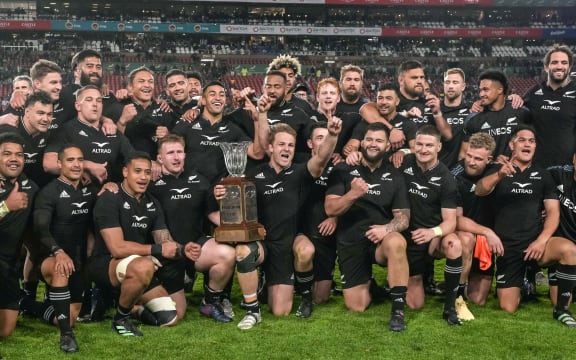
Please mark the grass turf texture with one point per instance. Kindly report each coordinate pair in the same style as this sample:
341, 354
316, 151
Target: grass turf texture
331, 333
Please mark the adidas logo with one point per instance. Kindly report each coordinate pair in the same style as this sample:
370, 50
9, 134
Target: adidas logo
567, 294
355, 172
409, 171
62, 317
260, 176
485, 126
82, 133
160, 182
560, 188
197, 126
539, 92
64, 194
126, 206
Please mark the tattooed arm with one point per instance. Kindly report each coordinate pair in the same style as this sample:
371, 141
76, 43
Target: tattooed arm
164, 245
399, 223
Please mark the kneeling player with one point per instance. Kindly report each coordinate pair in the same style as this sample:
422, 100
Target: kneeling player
125, 258
433, 201
475, 220
372, 203
187, 199
62, 219
519, 191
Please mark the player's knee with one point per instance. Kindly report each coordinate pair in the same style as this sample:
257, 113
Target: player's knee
226, 255
304, 252
568, 252
164, 310
509, 307
143, 268
394, 243
246, 257
451, 246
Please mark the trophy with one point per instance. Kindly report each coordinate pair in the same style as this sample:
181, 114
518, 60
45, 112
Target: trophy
238, 209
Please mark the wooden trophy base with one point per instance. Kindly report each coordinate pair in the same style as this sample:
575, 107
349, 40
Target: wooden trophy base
238, 212
239, 233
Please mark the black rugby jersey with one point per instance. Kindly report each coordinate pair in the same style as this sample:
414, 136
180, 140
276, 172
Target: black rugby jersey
137, 219
455, 116
563, 177
95, 146
34, 148
429, 192
498, 124
474, 207
186, 201
554, 119
13, 224
518, 201
386, 192
203, 152
280, 197
63, 216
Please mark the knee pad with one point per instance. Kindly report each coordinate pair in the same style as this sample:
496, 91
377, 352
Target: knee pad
248, 264
122, 266
163, 309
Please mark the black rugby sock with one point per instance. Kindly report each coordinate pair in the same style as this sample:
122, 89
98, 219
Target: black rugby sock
122, 312
398, 295
211, 296
304, 281
461, 290
452, 271
30, 288
252, 306
566, 279
60, 299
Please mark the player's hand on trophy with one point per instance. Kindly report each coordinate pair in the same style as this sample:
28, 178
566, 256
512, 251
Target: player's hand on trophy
219, 192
